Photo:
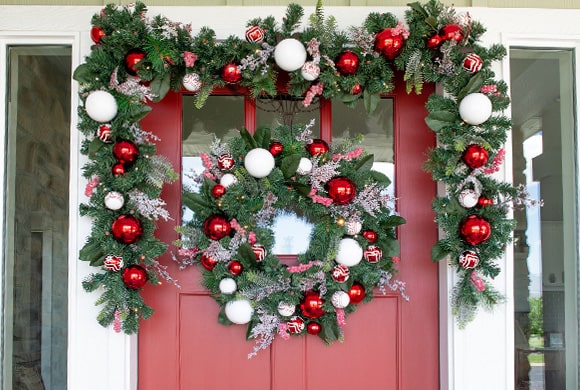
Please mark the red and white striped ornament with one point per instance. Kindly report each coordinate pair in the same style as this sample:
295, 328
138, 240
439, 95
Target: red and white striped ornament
340, 299
254, 34
192, 82
260, 252
296, 325
225, 162
472, 63
340, 273
113, 263
105, 134
373, 254
468, 259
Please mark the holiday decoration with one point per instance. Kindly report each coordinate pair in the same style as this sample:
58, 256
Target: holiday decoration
276, 148
472, 63
227, 286
208, 262
373, 254
114, 200
474, 229
304, 166
313, 328
341, 190
356, 293
317, 146
389, 43
113, 263
296, 325
231, 73
225, 162
451, 32
239, 311
218, 190
135, 276
353, 228
286, 309
97, 34
340, 273
468, 259
349, 252
104, 133
310, 71
101, 106
216, 227
475, 156
356, 89
118, 169
475, 108
483, 201
254, 34
347, 63
228, 179
290, 54
260, 252
259, 162
127, 229
370, 235
125, 151
192, 82
311, 305
235, 267
132, 60
340, 299
434, 42
468, 198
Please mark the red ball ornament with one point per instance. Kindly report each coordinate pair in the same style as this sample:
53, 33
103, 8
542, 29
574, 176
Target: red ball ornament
474, 229
340, 273
295, 325
97, 34
217, 191
235, 267
132, 58
231, 73
475, 156
313, 328
276, 148
356, 293
208, 262
118, 169
125, 151
317, 146
216, 227
311, 305
135, 276
225, 162
341, 190
356, 89
127, 229
483, 201
254, 34
347, 63
104, 133
373, 254
370, 235
472, 63
260, 252
388, 44
434, 42
451, 32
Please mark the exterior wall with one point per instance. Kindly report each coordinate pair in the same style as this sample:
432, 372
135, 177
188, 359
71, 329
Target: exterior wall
479, 357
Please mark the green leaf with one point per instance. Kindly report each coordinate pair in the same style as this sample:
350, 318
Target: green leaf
160, 86
195, 202
474, 85
250, 141
371, 100
138, 112
300, 187
381, 178
329, 332
390, 247
417, 7
393, 221
246, 253
263, 135
95, 146
438, 253
290, 165
365, 164
437, 120
222, 318
91, 252
348, 98
82, 74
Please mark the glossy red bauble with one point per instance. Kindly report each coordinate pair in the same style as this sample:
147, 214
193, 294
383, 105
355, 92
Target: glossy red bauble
125, 151
97, 34
475, 156
356, 89
276, 148
317, 146
127, 229
235, 267
216, 227
134, 276
208, 262
313, 328
356, 293
118, 169
311, 305
451, 32
474, 229
217, 191
483, 201
389, 44
225, 162
370, 235
295, 325
434, 42
347, 63
132, 58
341, 190
231, 73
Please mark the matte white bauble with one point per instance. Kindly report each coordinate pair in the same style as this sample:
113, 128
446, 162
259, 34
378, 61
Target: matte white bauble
286, 309
349, 253
228, 179
304, 166
101, 106
310, 71
228, 286
290, 54
239, 311
340, 299
259, 162
114, 200
475, 108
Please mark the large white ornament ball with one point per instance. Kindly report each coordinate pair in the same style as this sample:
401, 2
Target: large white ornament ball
114, 200
475, 108
259, 162
310, 71
350, 253
286, 309
340, 299
192, 82
228, 179
290, 54
239, 311
101, 106
304, 166
228, 286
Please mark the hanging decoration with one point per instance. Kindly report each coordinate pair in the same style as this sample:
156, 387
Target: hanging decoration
136, 60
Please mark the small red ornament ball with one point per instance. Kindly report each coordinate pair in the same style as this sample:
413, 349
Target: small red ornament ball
341, 190
434, 42
225, 162
135, 276
235, 267
370, 235
254, 34
276, 148
217, 191
311, 305
208, 262
317, 146
216, 227
483, 201
125, 151
356, 293
127, 229
474, 229
231, 73
97, 34
132, 58
347, 63
313, 328
451, 32
388, 44
356, 89
472, 63
475, 156
118, 169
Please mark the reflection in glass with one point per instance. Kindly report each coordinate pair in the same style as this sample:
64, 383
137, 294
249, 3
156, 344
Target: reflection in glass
288, 112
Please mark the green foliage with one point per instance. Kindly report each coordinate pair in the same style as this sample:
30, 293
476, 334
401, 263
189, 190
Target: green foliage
536, 316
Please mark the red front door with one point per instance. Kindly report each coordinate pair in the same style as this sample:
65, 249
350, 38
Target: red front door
389, 343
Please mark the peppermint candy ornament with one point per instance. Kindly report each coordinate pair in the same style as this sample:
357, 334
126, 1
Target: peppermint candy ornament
310, 71
104, 133
260, 252
468, 259
225, 162
340, 273
113, 263
295, 325
472, 63
353, 228
373, 254
286, 309
192, 82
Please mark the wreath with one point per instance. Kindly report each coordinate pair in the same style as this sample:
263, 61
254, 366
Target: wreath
137, 59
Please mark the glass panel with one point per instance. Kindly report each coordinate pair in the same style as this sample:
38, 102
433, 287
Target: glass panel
36, 230
289, 112
545, 260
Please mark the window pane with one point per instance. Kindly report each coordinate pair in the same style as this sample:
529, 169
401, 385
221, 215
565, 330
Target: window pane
545, 247
36, 230
289, 112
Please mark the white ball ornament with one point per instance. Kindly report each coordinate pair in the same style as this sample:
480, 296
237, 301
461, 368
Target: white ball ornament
286, 309
114, 200
228, 286
239, 311
304, 166
310, 71
192, 82
475, 108
340, 299
468, 198
101, 106
353, 228
259, 162
228, 179
349, 253
290, 54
